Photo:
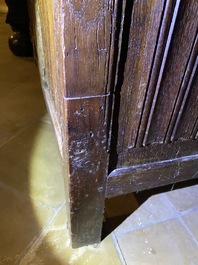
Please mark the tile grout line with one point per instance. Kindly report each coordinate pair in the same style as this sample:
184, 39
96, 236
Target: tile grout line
151, 223
13, 137
18, 192
189, 211
182, 222
187, 229
145, 225
27, 197
20, 131
39, 236
118, 249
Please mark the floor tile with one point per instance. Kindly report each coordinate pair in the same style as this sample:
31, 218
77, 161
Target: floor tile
22, 106
55, 248
155, 209
191, 220
19, 223
17, 69
184, 199
31, 164
21, 100
165, 243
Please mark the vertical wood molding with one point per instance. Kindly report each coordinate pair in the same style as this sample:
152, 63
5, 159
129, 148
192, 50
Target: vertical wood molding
159, 60
141, 48
187, 103
181, 45
159, 82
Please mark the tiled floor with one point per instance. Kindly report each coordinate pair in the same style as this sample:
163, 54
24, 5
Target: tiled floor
164, 230
33, 224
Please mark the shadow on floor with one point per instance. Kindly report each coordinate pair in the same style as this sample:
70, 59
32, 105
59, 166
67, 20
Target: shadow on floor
23, 215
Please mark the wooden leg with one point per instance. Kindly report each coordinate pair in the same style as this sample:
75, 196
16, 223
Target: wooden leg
87, 157
75, 45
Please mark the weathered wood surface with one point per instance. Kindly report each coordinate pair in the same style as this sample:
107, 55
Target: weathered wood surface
87, 31
75, 53
162, 152
47, 35
151, 175
181, 46
88, 59
88, 167
157, 83
126, 67
145, 22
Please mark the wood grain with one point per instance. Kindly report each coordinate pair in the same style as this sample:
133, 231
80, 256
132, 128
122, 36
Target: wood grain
87, 31
189, 110
145, 24
159, 84
87, 157
150, 175
157, 68
188, 87
182, 42
75, 49
126, 72
157, 152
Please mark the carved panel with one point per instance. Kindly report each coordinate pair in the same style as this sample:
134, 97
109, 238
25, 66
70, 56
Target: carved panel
159, 91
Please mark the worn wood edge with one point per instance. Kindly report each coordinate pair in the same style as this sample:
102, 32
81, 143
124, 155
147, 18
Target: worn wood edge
158, 152
146, 140
149, 175
42, 65
87, 158
54, 118
155, 70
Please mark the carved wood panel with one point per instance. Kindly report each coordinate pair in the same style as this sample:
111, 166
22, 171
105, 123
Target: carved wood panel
158, 87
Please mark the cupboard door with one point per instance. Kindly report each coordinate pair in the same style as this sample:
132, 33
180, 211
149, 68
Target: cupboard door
157, 95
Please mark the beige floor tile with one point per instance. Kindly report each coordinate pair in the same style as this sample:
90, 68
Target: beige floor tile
17, 69
19, 224
31, 164
54, 249
191, 221
20, 107
184, 199
156, 208
166, 243
21, 100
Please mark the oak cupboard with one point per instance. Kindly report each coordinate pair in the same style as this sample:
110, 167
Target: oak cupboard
120, 79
